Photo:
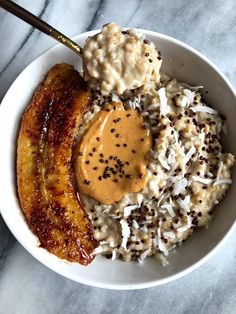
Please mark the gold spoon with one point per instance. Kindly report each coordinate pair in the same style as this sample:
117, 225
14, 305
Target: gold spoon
36, 22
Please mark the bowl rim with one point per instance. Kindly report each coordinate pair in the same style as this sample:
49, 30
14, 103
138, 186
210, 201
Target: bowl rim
115, 286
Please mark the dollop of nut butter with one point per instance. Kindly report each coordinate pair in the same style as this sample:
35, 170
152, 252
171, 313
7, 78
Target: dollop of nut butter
111, 157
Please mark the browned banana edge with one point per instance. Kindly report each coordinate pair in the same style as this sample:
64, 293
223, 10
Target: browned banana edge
44, 166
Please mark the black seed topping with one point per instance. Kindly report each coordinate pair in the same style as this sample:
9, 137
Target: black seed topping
87, 182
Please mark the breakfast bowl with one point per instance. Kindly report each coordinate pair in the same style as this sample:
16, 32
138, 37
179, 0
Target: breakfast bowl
179, 61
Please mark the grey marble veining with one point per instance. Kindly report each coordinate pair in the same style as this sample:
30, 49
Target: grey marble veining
28, 287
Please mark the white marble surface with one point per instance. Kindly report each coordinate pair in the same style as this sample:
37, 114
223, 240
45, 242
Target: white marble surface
28, 287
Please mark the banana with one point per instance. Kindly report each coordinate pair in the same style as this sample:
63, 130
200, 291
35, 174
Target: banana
45, 179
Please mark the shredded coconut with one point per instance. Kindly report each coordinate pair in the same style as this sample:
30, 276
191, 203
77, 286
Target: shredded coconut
184, 204
162, 247
112, 244
204, 109
182, 229
135, 224
171, 158
161, 197
223, 181
180, 186
189, 154
113, 255
190, 95
125, 232
163, 163
134, 103
128, 209
192, 87
140, 199
219, 171
202, 180
144, 229
189, 221
153, 106
152, 185
144, 255
164, 108
169, 208
169, 234
115, 97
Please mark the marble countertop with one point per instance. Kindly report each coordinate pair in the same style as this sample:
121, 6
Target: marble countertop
26, 286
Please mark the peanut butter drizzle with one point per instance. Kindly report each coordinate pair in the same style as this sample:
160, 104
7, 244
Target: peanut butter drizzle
111, 157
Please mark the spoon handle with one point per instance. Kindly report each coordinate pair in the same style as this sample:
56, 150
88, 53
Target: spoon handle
36, 22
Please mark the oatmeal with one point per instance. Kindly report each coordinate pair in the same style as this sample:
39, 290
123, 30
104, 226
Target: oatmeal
186, 171
116, 60
188, 174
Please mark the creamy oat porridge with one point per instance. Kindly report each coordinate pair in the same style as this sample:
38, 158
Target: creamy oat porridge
116, 60
181, 172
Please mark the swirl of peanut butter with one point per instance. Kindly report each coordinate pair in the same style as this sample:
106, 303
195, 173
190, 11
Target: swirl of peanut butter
111, 157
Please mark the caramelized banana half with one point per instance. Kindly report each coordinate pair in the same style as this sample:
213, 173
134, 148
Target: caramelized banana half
45, 182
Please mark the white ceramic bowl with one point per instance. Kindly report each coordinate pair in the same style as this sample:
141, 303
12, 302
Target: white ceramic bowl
185, 64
